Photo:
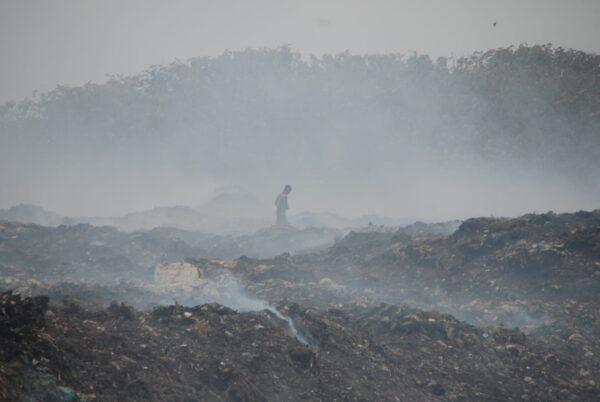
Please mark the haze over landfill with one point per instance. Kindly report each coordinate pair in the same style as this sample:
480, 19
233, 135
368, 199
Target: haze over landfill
299, 201
362, 143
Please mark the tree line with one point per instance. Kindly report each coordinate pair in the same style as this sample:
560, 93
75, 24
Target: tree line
275, 109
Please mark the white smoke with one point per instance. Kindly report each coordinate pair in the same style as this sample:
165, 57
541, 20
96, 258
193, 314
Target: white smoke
182, 282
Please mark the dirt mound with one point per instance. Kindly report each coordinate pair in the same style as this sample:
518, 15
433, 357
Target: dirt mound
34, 254
210, 352
378, 316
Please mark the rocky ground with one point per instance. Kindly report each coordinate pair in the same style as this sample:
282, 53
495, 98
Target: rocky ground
501, 309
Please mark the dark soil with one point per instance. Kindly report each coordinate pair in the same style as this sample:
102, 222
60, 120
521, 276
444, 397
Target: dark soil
502, 309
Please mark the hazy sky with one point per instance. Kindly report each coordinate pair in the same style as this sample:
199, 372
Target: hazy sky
48, 42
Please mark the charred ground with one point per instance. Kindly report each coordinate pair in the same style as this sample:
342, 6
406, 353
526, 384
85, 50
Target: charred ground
500, 309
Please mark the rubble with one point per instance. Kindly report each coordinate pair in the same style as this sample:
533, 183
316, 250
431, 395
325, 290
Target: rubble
34, 254
210, 352
501, 309
181, 275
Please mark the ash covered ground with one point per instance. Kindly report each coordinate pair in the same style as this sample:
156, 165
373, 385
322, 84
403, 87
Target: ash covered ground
499, 309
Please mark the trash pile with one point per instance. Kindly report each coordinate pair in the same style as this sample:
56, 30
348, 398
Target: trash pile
515, 266
211, 352
498, 309
36, 254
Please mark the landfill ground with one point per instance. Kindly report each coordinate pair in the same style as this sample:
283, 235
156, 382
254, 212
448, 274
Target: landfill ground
498, 310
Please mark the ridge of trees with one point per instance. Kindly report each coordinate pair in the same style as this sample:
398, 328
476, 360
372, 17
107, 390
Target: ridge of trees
530, 103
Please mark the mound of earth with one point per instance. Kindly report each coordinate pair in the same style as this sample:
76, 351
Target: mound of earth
210, 352
500, 309
32, 253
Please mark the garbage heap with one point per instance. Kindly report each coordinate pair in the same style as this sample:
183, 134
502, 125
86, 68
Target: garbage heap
501, 309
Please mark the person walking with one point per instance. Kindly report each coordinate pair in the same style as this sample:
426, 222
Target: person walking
281, 203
